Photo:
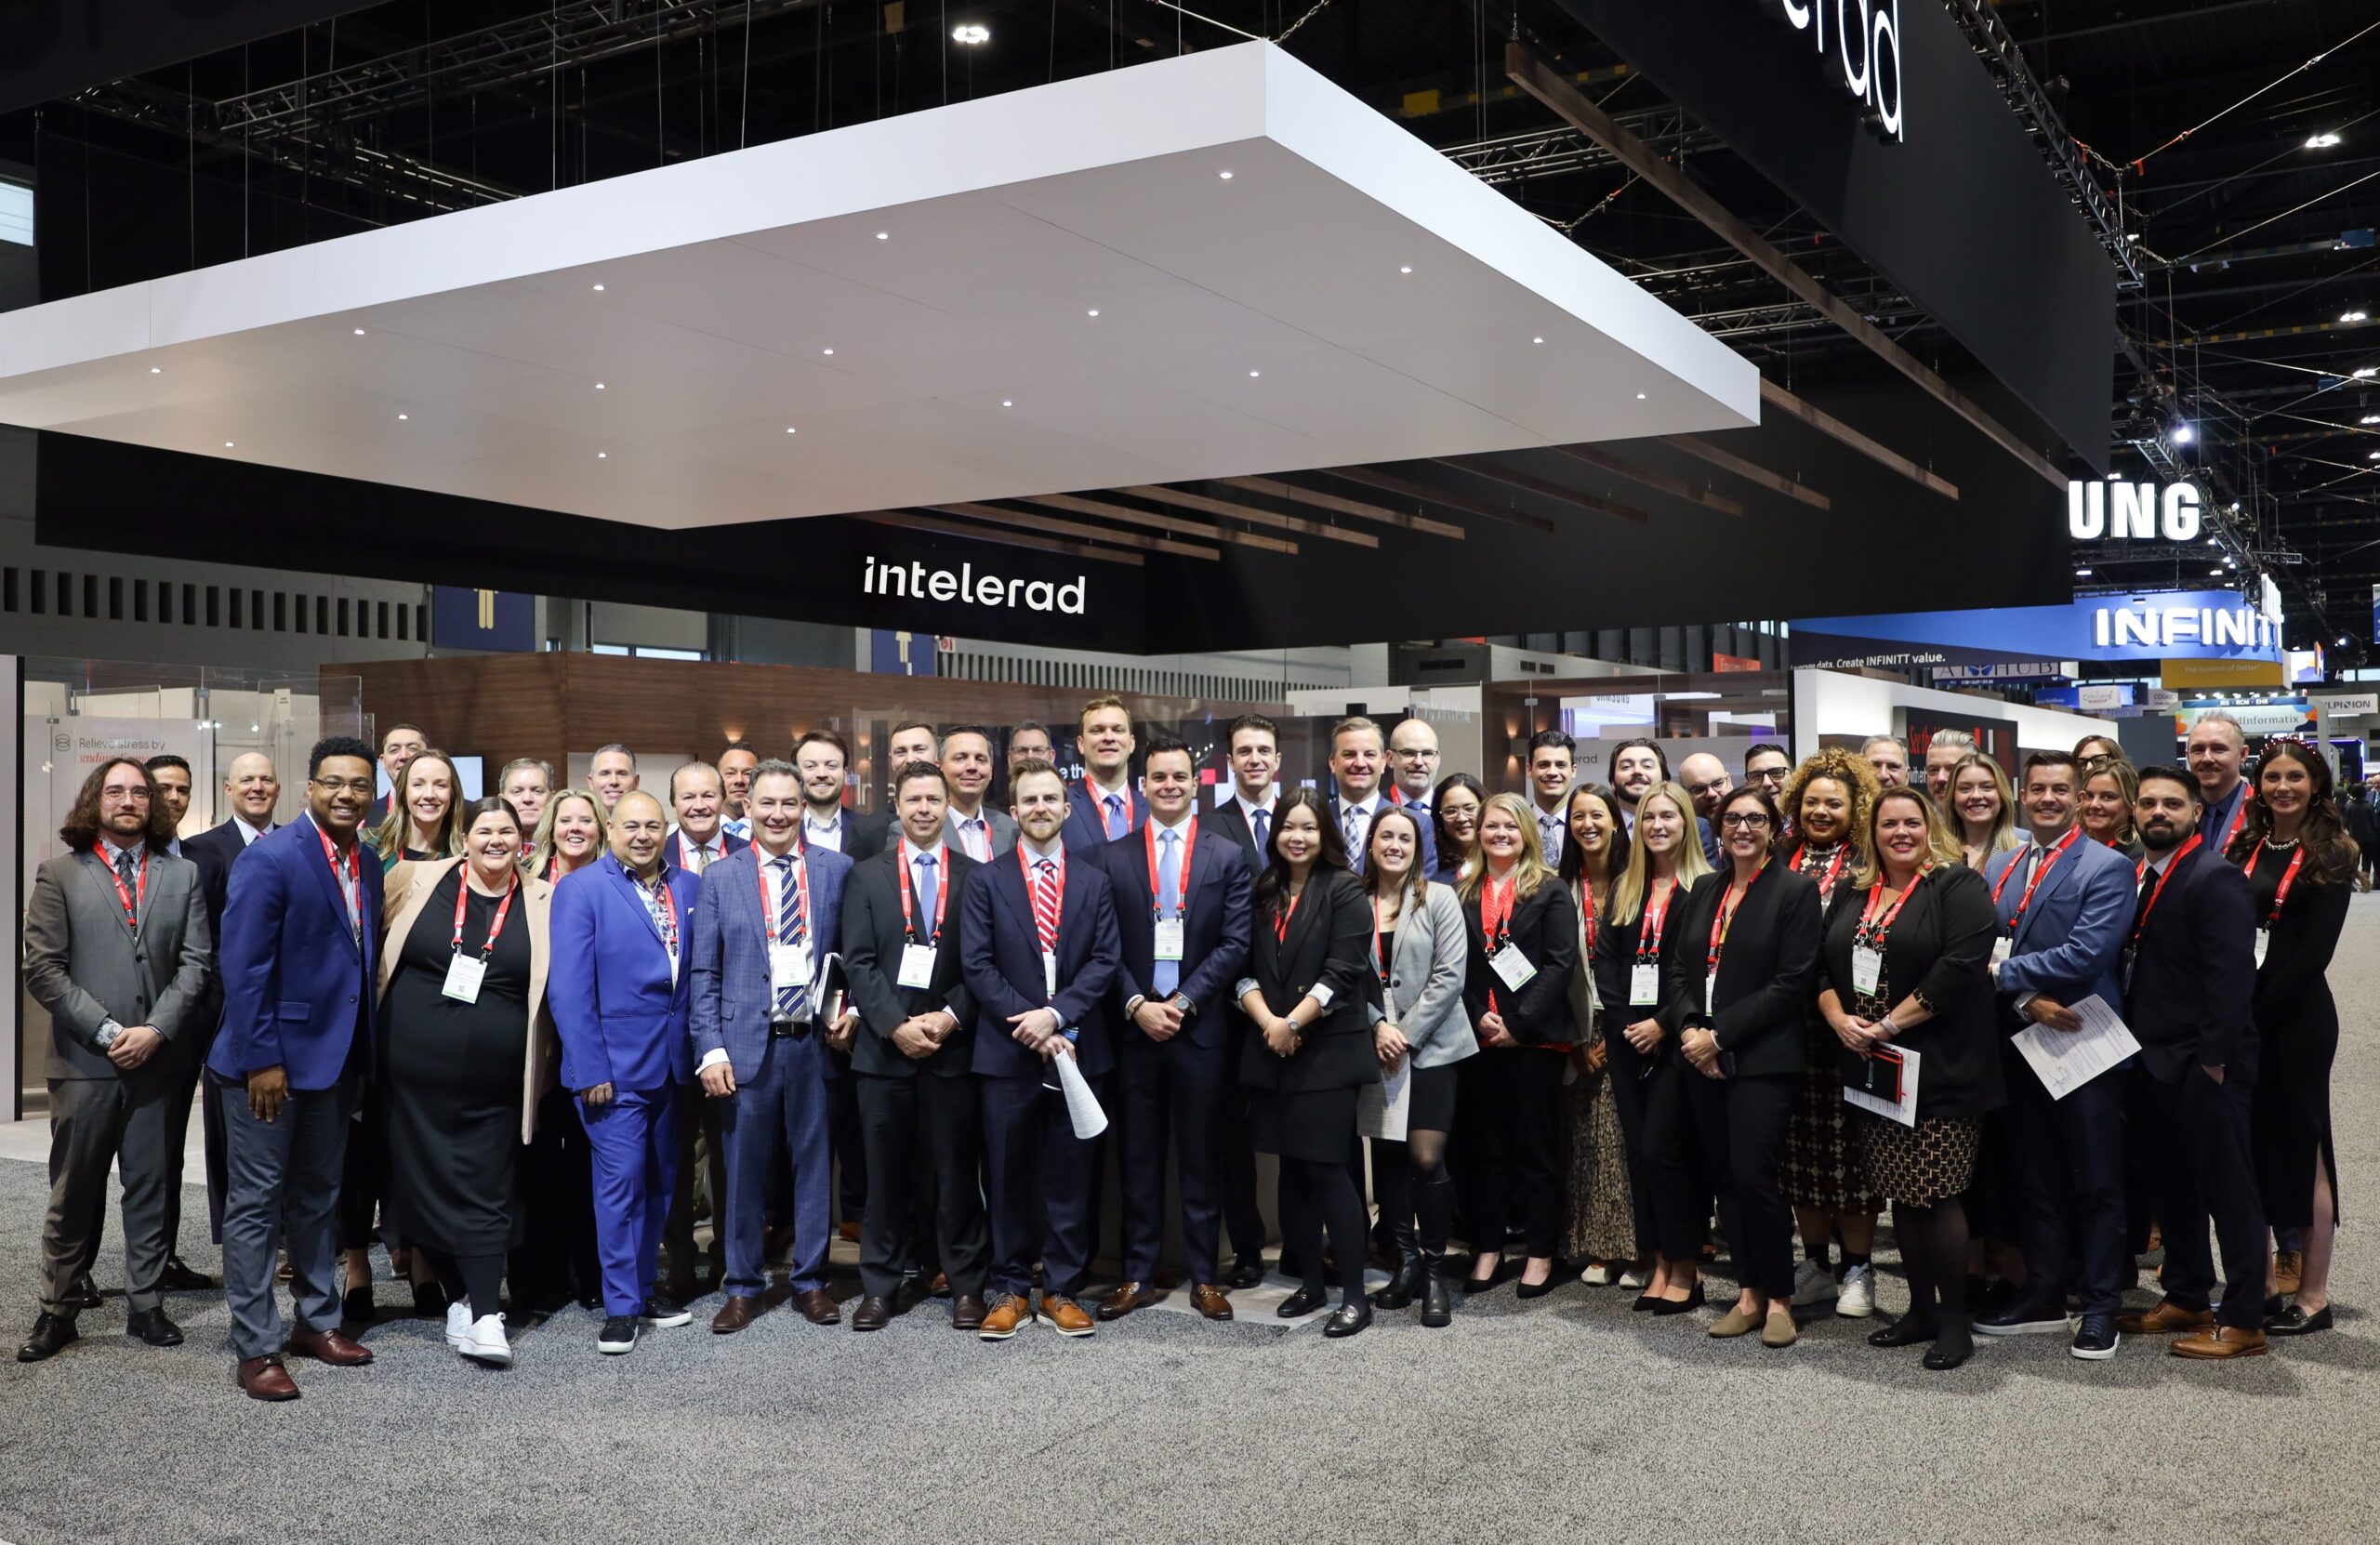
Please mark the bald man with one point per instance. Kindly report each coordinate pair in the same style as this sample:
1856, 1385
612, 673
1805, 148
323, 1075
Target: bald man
1706, 781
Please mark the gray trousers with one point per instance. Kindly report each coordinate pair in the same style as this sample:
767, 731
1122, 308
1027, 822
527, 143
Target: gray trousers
282, 1186
126, 1120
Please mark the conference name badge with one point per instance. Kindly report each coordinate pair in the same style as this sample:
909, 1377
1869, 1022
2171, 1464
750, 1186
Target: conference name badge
2002, 948
1866, 969
1050, 972
788, 967
1169, 939
1512, 968
917, 965
464, 973
2264, 944
1645, 984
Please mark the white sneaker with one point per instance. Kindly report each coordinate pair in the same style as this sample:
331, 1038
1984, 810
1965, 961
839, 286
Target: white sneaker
484, 1342
1858, 1299
1597, 1275
1635, 1276
458, 1323
1812, 1284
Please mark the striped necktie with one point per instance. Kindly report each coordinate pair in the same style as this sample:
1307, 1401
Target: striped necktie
1045, 904
792, 1003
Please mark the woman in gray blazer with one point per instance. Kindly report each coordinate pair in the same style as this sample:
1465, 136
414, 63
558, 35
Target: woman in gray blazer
1419, 950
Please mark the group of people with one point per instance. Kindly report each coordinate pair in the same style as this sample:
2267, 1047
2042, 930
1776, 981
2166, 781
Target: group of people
526, 1039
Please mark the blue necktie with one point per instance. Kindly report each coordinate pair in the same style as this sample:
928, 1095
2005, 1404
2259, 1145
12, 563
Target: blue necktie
791, 1001
1263, 836
925, 889
1115, 816
1167, 975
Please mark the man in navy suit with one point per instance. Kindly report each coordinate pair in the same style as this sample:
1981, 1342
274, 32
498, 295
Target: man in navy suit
823, 760
2217, 753
698, 796
2191, 991
1040, 956
765, 921
1174, 1053
620, 1000
399, 746
299, 959
1246, 819
2065, 904
1357, 754
1413, 777
1106, 806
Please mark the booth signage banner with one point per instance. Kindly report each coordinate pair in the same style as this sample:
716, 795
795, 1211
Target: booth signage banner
2194, 675
2353, 706
2177, 625
60, 752
2256, 718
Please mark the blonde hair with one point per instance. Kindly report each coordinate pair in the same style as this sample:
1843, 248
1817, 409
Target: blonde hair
388, 837
1941, 845
1530, 872
1628, 893
2004, 830
541, 847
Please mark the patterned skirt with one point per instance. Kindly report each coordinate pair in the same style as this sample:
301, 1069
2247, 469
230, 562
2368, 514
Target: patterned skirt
1919, 1166
1599, 1222
1822, 1167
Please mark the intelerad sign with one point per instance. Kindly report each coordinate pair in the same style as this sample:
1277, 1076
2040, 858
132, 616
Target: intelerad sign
1866, 37
2131, 511
918, 583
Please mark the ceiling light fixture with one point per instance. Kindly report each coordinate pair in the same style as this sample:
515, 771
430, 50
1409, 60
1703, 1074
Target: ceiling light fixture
2081, 573
1225, 175
971, 33
2321, 142
603, 456
2367, 373
2355, 316
1094, 311
789, 429
1536, 340
1405, 268
825, 350
2214, 571
1253, 374
599, 289
2368, 417
1006, 403
359, 332
1640, 397
403, 417
227, 444
160, 370
2182, 434
884, 235
598, 386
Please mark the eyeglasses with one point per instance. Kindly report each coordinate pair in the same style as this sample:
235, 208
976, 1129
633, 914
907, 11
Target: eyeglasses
1717, 786
338, 786
1744, 820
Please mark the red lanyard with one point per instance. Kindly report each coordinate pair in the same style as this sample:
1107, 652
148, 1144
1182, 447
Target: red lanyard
1834, 868
2239, 819
2142, 873
350, 882
134, 897
1182, 899
1874, 929
503, 910
1648, 937
2056, 852
1495, 913
1025, 865
2288, 876
1724, 919
1380, 955
1587, 910
801, 876
1281, 916
941, 896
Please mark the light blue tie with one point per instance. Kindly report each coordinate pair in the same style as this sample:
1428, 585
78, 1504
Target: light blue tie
1167, 975
793, 1001
1114, 815
925, 889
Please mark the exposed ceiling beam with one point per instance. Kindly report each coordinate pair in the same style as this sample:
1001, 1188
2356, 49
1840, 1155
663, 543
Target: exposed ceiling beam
1076, 505
913, 521
1483, 468
1702, 449
1827, 424
1026, 521
1250, 513
1675, 487
1445, 498
1540, 81
1279, 490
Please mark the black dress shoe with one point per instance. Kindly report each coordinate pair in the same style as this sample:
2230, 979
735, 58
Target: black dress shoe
2294, 1321
873, 1314
429, 1300
356, 1307
150, 1325
50, 1334
1348, 1319
1304, 1301
1692, 1301
1537, 1289
1908, 1330
1646, 1303
83, 1293
1246, 1271
179, 1277
1481, 1284
1952, 1348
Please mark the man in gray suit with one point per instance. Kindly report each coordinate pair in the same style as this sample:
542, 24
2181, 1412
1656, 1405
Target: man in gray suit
117, 951
972, 828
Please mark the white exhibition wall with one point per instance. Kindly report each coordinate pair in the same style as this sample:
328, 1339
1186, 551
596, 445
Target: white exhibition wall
1829, 702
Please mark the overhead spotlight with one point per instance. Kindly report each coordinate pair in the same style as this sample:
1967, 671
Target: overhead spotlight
1640, 397
227, 444
1007, 403
2342, 640
971, 33
1094, 311
2081, 573
598, 386
1536, 340
403, 417
2182, 433
1405, 268
603, 456
2355, 316
2368, 417
2216, 570
789, 429
2321, 142
825, 350
160, 370
1253, 374
2367, 373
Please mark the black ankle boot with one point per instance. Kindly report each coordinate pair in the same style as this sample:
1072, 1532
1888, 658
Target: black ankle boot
1437, 1299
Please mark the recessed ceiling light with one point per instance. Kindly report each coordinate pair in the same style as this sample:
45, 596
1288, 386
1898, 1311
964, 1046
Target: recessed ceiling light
160, 370
359, 332
603, 456
1007, 403
1253, 374
1405, 268
971, 34
1536, 340
1094, 311
884, 235
598, 386
403, 417
1640, 397
227, 444
1225, 175
790, 429
599, 289
825, 350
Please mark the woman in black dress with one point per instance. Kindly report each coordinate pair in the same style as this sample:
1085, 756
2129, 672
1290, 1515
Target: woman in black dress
1907, 964
465, 1052
2301, 864
1524, 931
1740, 975
1310, 992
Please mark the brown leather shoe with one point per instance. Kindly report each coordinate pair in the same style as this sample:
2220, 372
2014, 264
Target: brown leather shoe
330, 1346
2168, 1319
1008, 1313
2222, 1343
264, 1378
732, 1316
967, 1311
940, 1287
1126, 1297
873, 1314
1065, 1316
2288, 1271
850, 1233
818, 1306
1208, 1299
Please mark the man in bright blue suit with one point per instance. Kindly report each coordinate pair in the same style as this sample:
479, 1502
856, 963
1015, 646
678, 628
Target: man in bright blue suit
1104, 806
765, 922
1039, 950
620, 999
299, 956
2065, 904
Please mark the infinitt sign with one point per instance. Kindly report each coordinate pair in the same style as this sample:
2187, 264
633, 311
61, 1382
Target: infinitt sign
1866, 39
2167, 623
2136, 511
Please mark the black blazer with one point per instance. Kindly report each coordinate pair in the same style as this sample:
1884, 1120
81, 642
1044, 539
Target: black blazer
1615, 958
1767, 974
872, 941
2192, 993
213, 851
1545, 927
1940, 949
1214, 936
1329, 944
1230, 821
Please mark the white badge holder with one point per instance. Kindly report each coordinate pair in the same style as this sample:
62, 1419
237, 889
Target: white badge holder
1512, 968
1866, 968
2002, 948
788, 967
1710, 993
1049, 973
917, 965
2264, 942
464, 973
1169, 939
1645, 984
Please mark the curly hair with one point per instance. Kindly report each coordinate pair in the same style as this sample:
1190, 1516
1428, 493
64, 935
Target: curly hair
80, 831
1849, 769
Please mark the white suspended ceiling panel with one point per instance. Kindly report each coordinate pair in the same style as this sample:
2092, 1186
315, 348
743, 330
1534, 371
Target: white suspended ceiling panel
901, 312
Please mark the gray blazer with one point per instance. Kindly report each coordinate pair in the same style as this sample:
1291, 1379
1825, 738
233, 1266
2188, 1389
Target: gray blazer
1000, 822
1425, 981
85, 965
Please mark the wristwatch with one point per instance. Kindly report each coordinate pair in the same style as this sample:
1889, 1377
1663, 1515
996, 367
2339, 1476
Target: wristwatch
107, 1033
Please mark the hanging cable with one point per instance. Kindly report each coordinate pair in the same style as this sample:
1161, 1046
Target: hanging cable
2256, 93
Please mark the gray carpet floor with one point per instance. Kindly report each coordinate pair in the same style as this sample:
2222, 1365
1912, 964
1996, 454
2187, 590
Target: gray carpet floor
1565, 1417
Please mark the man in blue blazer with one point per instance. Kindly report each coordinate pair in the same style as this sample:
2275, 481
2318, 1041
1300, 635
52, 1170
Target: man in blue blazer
300, 958
620, 999
764, 924
1039, 961
1104, 806
1174, 1046
2065, 904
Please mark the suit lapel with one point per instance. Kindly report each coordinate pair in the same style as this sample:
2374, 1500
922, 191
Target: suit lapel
627, 883
312, 857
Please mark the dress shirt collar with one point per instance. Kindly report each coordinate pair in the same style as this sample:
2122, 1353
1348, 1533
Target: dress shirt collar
1249, 808
110, 846
1055, 850
1102, 792
248, 833
911, 854
1370, 807
1180, 826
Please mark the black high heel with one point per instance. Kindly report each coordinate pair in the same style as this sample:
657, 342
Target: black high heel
1537, 1290
1679, 1306
1482, 1283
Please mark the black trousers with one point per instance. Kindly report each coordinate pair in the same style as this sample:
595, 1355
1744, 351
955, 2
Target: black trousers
556, 1258
1173, 1099
697, 1115
1632, 1079
1236, 1164
1729, 1134
1508, 1126
936, 1123
2204, 1169
2069, 1202
851, 1149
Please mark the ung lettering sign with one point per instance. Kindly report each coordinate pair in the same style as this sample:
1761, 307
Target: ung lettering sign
1864, 37
2131, 511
